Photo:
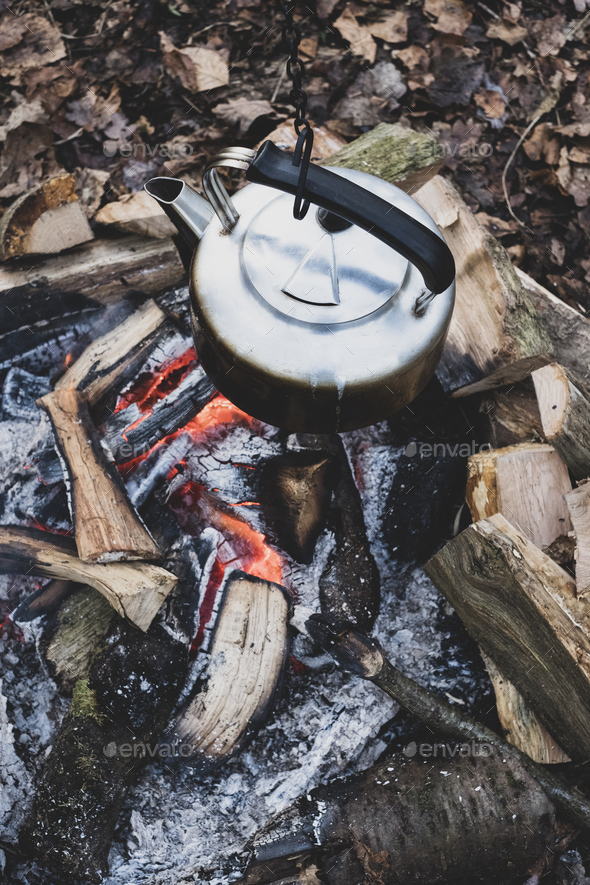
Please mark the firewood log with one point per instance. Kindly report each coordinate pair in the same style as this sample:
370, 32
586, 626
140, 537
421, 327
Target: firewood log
46, 219
456, 822
103, 270
495, 337
112, 358
578, 503
107, 526
568, 330
393, 152
511, 415
522, 609
247, 657
526, 484
113, 726
565, 413
136, 590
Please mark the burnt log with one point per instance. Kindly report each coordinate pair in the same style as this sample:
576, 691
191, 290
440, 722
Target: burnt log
295, 492
43, 345
167, 416
119, 709
350, 582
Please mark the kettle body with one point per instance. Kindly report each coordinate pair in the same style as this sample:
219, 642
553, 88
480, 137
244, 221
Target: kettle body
316, 325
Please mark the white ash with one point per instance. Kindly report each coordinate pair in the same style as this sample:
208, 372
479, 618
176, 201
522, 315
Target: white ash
19, 442
15, 781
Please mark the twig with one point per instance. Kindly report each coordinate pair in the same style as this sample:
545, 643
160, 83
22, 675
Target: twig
364, 657
533, 123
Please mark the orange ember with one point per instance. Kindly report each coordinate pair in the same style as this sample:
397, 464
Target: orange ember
151, 387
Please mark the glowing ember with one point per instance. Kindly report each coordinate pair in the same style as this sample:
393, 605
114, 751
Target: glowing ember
151, 387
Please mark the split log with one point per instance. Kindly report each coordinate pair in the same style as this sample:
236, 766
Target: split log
127, 436
247, 657
393, 152
568, 330
43, 601
118, 712
20, 391
107, 526
496, 337
510, 416
103, 270
46, 219
578, 504
565, 413
295, 493
136, 590
115, 356
526, 484
350, 583
522, 609
521, 726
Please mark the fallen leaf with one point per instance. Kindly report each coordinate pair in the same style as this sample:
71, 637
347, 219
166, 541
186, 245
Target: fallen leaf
491, 102
497, 226
506, 31
557, 251
137, 213
325, 143
325, 8
512, 12
199, 69
542, 145
452, 16
358, 36
38, 45
308, 47
12, 29
579, 185
455, 79
26, 112
413, 57
90, 185
548, 34
383, 81
236, 111
392, 29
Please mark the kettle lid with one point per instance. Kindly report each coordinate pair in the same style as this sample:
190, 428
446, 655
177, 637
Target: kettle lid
321, 269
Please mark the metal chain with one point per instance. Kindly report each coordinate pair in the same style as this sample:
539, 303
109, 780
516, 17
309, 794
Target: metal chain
295, 70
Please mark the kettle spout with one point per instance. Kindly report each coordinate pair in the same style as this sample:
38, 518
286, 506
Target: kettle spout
185, 208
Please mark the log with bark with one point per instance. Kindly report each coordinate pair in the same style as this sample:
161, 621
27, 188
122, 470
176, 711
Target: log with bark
578, 504
565, 414
568, 329
119, 708
136, 590
408, 819
46, 219
247, 654
511, 415
102, 270
496, 337
107, 526
522, 609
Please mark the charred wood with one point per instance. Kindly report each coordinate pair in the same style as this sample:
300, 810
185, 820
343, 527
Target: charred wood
350, 583
113, 726
19, 394
43, 601
43, 345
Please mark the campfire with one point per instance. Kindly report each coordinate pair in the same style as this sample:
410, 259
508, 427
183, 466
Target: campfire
235, 653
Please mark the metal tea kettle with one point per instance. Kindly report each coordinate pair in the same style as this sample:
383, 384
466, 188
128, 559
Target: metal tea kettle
329, 323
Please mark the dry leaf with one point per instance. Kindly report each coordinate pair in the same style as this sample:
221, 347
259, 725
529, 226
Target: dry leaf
392, 29
38, 45
548, 34
496, 226
491, 102
137, 213
413, 57
325, 143
579, 185
506, 31
308, 47
26, 112
198, 69
452, 16
541, 145
512, 12
236, 111
90, 185
325, 8
358, 36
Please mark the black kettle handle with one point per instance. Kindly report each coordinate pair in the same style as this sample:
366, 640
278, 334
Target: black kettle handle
421, 246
